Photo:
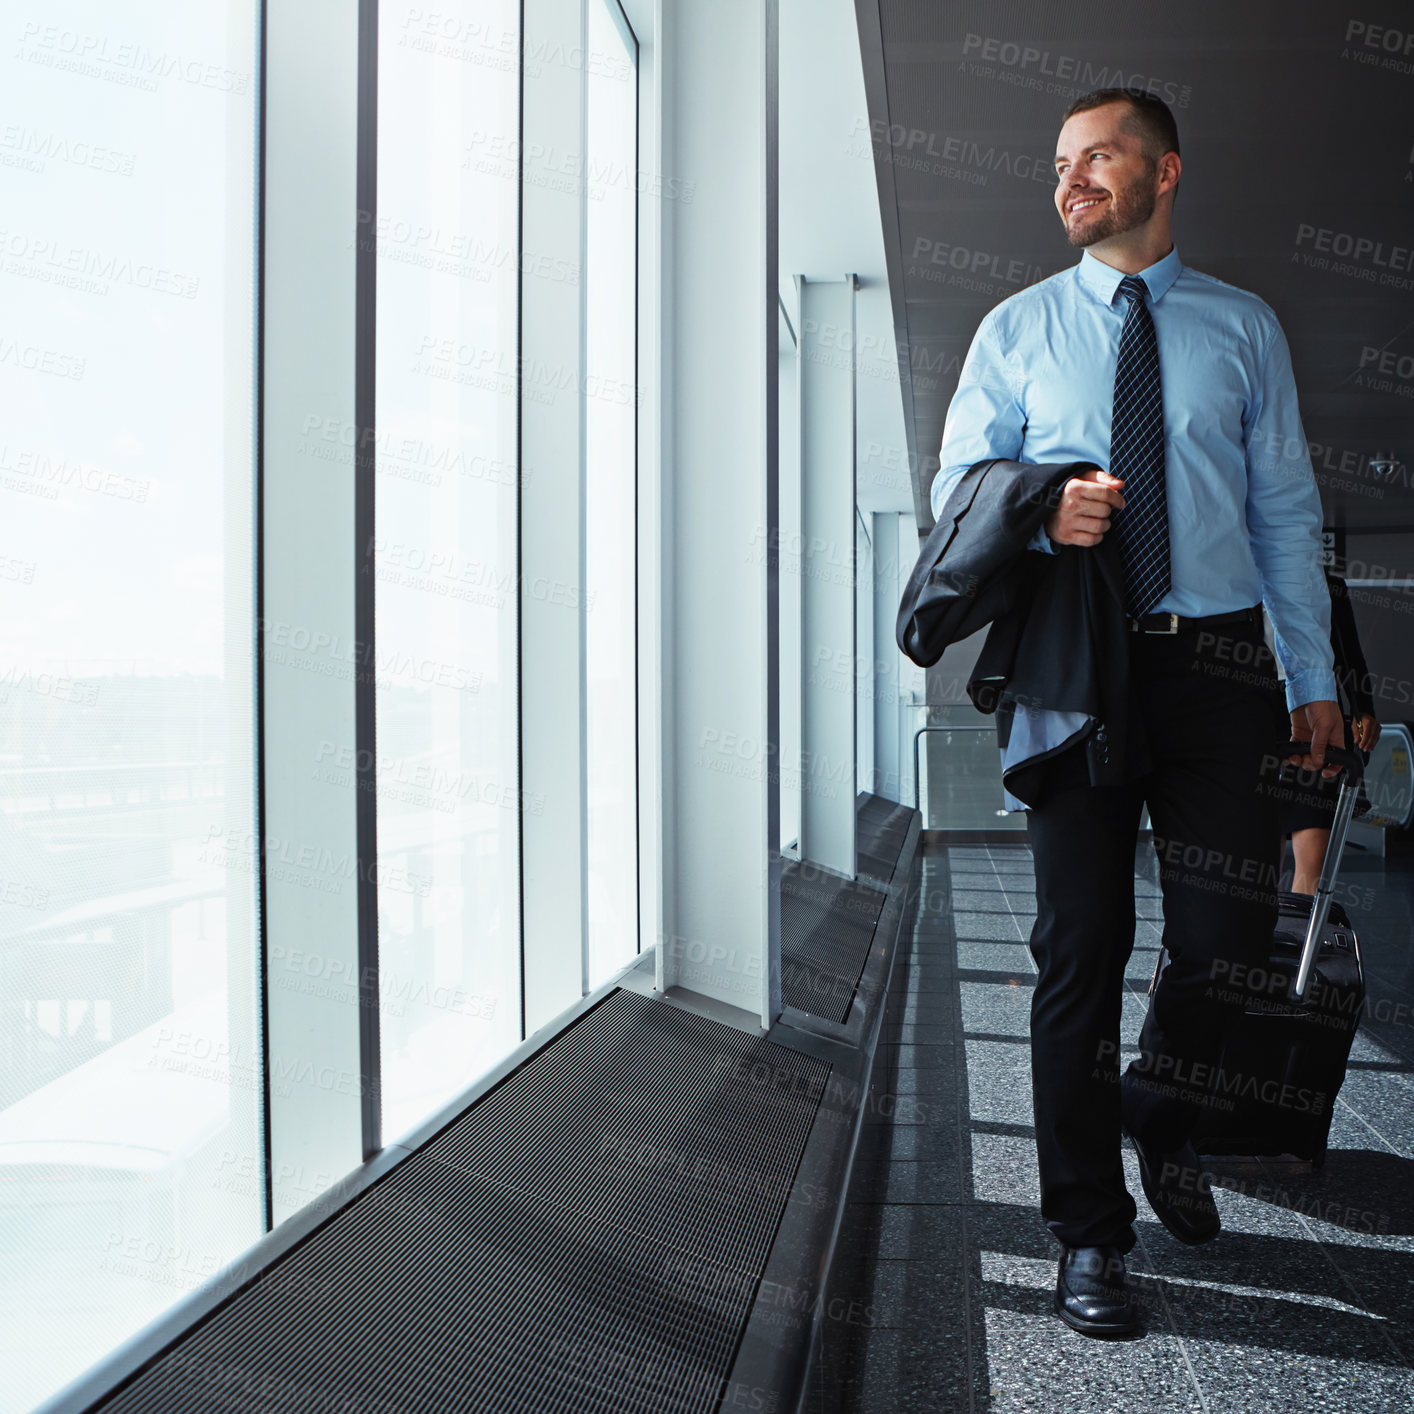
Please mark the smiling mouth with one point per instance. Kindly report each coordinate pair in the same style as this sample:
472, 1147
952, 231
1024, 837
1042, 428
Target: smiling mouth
1084, 204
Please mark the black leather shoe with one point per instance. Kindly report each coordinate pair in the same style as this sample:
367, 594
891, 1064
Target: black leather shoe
1091, 1294
1178, 1192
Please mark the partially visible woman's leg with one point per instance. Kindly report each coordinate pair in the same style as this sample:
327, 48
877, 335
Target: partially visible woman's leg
1309, 848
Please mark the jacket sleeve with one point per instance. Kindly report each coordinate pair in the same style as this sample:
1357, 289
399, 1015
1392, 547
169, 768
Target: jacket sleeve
1284, 525
985, 419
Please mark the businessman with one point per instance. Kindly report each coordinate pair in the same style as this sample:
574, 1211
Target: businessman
1180, 388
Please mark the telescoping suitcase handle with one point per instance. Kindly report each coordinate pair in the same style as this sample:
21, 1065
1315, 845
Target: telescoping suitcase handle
1352, 766
1352, 761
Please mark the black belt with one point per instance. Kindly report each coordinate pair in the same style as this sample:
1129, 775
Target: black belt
1175, 623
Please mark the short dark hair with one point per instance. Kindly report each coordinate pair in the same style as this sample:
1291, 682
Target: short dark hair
1149, 118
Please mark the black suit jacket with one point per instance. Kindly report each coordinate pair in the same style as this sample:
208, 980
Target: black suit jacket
973, 565
1058, 637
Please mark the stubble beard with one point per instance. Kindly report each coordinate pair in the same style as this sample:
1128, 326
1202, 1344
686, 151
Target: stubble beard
1130, 206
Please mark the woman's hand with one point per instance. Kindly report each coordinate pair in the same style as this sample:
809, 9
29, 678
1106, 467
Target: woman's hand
1366, 731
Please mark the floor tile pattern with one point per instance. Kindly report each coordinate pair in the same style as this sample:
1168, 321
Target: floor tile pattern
1306, 1300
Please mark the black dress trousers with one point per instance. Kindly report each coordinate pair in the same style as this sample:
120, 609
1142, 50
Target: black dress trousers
1203, 700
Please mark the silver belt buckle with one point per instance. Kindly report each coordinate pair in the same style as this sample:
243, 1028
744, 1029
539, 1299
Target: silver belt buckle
1136, 627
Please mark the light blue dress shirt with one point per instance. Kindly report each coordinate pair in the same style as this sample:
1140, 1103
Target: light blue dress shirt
1244, 513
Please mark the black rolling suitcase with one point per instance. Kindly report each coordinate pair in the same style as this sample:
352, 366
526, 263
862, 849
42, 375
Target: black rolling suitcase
1285, 1058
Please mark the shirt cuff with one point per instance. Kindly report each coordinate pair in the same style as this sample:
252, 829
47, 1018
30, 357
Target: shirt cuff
1312, 685
1041, 541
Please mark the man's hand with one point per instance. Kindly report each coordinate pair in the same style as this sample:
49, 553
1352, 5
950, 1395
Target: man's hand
1320, 723
1083, 515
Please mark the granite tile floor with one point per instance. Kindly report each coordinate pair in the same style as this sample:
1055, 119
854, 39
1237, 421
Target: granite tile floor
1306, 1299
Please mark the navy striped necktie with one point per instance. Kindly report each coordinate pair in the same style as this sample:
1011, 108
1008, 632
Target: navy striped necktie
1137, 456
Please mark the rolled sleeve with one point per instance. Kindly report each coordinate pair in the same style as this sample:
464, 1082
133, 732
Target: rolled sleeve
984, 419
1284, 520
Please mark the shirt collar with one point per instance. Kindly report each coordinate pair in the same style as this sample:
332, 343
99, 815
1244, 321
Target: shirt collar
1103, 280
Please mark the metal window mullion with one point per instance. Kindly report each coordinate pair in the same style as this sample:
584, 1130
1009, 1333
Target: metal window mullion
262, 971
583, 498
637, 577
520, 508
650, 490
365, 582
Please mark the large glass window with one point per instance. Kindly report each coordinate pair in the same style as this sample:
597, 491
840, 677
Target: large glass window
132, 1165
130, 1160
610, 469
448, 782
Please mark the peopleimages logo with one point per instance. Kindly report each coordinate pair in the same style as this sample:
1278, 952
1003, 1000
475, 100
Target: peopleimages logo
1084, 74
956, 257
1380, 46
122, 61
907, 147
1361, 257
1385, 371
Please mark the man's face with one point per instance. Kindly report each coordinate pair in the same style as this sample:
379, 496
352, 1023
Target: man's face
1106, 185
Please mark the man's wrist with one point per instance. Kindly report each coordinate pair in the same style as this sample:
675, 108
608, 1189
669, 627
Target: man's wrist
1307, 686
1042, 541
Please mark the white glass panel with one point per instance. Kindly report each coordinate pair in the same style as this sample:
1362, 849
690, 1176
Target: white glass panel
610, 416
130, 1160
449, 939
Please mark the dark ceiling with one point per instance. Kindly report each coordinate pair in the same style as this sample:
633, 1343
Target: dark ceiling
1297, 126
